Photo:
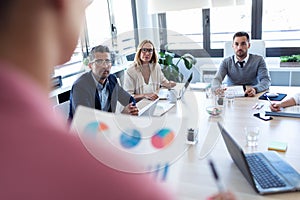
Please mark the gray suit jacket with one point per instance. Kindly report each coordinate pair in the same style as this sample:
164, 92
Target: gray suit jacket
84, 92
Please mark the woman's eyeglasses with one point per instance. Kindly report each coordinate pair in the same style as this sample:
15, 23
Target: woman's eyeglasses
144, 50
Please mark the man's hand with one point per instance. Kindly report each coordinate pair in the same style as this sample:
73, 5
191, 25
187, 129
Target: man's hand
131, 110
250, 92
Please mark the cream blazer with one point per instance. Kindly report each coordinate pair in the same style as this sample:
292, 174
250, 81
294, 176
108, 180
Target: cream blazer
134, 81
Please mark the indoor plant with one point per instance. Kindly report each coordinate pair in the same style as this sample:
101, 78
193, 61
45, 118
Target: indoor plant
290, 61
171, 70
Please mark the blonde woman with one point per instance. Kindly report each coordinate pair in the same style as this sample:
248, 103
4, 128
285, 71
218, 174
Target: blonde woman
144, 77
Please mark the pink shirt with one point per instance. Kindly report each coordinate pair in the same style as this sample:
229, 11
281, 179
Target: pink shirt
40, 159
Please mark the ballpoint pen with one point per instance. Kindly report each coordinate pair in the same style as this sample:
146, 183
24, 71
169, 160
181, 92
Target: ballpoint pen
220, 186
255, 106
268, 99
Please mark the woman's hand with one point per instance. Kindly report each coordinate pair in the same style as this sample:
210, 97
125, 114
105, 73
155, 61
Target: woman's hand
151, 96
275, 107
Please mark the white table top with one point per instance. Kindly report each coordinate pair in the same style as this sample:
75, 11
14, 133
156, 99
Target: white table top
190, 176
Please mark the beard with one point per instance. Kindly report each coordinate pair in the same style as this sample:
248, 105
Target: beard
102, 75
241, 53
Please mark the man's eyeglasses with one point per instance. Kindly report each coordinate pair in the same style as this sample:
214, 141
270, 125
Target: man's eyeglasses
101, 62
144, 50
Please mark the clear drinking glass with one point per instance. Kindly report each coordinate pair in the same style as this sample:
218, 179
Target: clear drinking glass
230, 95
252, 134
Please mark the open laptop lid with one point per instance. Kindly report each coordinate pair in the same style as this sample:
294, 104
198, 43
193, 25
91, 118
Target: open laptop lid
283, 169
237, 155
163, 93
187, 83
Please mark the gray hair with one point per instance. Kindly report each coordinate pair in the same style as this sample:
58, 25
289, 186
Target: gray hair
99, 48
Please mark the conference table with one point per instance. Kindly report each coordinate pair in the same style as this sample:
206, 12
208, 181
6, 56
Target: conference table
190, 176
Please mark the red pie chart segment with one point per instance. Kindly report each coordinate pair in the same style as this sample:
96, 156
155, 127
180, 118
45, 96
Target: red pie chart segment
162, 138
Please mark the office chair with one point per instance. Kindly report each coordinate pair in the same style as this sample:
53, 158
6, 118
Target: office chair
63, 109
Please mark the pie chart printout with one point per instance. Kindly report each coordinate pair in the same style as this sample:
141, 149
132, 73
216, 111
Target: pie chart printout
162, 138
130, 138
94, 127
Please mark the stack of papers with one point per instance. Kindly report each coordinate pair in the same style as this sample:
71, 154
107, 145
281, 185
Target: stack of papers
238, 90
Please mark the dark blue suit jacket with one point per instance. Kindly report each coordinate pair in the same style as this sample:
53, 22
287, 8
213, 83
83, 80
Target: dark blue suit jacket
84, 92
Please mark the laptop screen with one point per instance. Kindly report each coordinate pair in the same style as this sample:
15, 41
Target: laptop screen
188, 80
237, 155
187, 83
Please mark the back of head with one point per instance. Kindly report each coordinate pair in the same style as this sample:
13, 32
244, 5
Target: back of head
39, 34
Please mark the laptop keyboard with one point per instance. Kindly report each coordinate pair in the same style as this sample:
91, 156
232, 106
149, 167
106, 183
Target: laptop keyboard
262, 173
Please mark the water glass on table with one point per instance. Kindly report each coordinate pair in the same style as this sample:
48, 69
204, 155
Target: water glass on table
252, 135
229, 95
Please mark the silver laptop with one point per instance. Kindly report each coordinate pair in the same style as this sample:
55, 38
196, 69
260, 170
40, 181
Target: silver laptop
266, 172
163, 93
145, 105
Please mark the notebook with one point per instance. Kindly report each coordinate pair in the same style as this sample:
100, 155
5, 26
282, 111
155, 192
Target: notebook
163, 93
256, 168
291, 111
145, 104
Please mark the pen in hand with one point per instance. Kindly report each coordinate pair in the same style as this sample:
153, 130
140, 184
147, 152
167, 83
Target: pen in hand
268, 99
220, 186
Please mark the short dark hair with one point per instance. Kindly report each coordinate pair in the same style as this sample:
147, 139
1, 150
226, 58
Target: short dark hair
99, 48
241, 34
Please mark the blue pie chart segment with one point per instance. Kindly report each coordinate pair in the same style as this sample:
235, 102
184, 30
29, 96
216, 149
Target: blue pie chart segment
130, 138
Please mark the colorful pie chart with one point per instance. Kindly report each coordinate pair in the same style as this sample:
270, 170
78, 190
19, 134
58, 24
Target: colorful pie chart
162, 138
94, 127
130, 138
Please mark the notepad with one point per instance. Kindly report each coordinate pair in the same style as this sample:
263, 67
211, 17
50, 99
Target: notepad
237, 89
292, 111
277, 146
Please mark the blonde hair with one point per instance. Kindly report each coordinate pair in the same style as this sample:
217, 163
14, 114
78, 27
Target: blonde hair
137, 58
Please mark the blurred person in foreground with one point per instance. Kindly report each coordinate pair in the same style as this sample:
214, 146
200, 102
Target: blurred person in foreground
40, 159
